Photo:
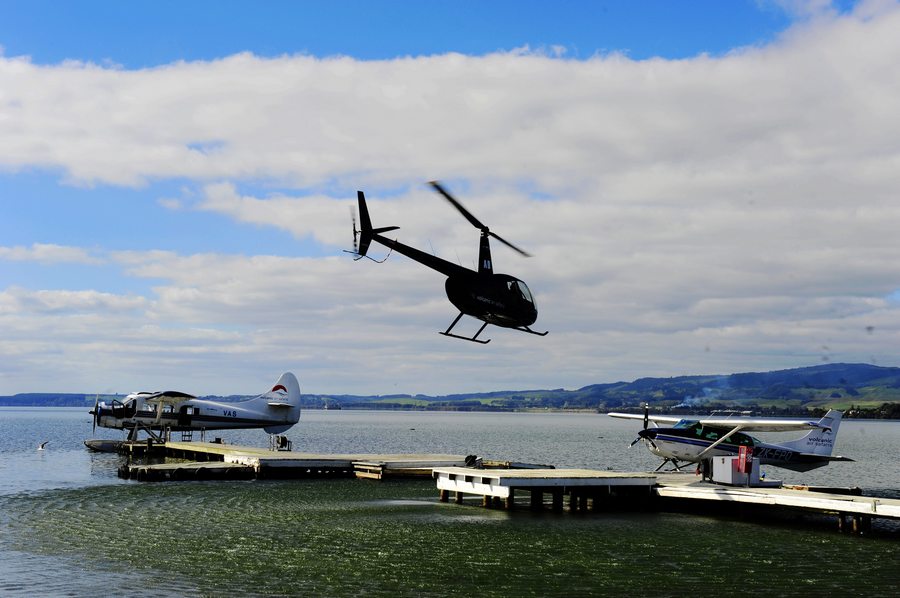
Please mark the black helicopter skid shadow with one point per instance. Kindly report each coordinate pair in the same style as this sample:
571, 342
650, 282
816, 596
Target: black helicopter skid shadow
474, 338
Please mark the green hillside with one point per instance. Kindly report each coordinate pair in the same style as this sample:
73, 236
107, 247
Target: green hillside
860, 389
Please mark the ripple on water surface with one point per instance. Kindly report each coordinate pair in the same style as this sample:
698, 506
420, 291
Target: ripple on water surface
350, 537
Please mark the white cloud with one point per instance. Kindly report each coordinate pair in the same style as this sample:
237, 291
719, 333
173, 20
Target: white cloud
170, 203
48, 253
508, 116
16, 300
694, 216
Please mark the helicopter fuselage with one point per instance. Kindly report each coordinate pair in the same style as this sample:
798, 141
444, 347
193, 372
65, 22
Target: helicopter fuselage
498, 299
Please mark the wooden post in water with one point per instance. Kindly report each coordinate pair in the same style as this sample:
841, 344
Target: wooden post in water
459, 497
511, 500
557, 500
862, 524
445, 495
487, 501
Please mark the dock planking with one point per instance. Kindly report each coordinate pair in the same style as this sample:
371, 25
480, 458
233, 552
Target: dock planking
216, 460
854, 511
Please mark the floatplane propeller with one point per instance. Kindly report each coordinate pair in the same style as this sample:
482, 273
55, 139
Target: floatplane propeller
642, 433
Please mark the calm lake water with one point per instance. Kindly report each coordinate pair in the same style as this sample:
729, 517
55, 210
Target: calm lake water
70, 527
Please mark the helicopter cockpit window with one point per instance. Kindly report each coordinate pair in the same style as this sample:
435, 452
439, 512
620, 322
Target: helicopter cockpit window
520, 290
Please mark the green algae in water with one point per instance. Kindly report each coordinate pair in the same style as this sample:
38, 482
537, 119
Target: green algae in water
350, 537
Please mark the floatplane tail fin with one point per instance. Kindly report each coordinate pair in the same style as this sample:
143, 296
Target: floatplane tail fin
284, 397
819, 440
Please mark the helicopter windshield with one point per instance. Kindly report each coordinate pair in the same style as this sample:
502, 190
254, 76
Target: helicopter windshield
520, 289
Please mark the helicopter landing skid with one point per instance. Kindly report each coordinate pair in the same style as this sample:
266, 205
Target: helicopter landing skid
530, 331
474, 338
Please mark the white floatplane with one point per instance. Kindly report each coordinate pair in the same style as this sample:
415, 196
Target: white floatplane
158, 413
692, 440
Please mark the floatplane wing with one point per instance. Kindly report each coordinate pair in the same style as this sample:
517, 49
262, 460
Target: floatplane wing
747, 424
169, 397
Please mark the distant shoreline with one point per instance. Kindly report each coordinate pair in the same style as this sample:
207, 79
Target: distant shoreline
861, 391
436, 409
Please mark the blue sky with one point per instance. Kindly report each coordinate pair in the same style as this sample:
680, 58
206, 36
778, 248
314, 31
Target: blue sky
146, 34
703, 184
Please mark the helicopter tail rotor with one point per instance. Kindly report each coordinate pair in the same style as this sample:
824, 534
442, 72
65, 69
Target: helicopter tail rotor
355, 232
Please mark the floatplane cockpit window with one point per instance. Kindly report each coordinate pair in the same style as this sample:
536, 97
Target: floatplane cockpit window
684, 424
708, 433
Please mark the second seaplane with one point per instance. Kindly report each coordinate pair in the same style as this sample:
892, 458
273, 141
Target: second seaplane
158, 413
693, 440
498, 299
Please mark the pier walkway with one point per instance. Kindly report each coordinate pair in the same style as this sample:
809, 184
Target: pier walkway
854, 511
600, 490
211, 460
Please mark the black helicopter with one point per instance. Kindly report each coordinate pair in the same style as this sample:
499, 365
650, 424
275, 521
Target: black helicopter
498, 299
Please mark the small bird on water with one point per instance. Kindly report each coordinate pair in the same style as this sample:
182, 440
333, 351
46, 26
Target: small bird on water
42, 445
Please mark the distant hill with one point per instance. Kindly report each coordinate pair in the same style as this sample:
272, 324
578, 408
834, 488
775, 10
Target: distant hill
46, 399
851, 387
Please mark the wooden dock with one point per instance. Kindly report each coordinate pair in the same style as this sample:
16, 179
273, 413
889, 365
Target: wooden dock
854, 512
211, 460
600, 490
498, 487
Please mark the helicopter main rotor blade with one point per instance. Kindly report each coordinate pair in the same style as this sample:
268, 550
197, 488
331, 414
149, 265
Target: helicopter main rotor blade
472, 219
508, 244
